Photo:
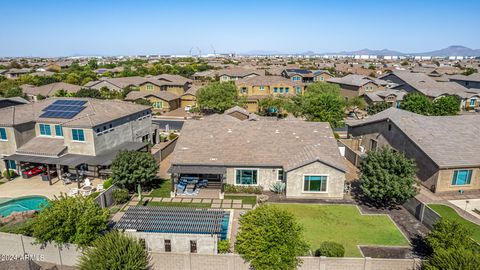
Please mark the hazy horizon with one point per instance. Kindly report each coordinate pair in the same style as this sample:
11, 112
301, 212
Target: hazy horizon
57, 28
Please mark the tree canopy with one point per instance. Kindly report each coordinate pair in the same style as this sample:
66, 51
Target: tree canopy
322, 102
218, 97
88, 93
77, 220
115, 251
387, 177
377, 107
446, 105
132, 169
9, 88
417, 103
270, 239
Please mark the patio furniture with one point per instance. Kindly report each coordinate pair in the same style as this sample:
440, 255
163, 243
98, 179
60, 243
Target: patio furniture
88, 183
86, 190
73, 192
100, 187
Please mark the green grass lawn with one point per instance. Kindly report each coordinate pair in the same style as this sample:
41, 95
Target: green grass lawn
245, 199
449, 213
163, 190
173, 204
344, 224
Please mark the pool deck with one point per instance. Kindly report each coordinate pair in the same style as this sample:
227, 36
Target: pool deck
19, 187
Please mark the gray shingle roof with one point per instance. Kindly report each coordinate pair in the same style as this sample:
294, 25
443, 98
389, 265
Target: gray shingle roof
267, 80
97, 112
287, 144
167, 96
356, 80
450, 141
50, 89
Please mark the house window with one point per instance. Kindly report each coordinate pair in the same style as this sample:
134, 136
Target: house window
193, 246
397, 104
45, 130
279, 175
78, 135
472, 102
3, 134
149, 87
224, 78
321, 78
298, 90
158, 104
275, 89
315, 183
246, 177
262, 87
461, 177
281, 89
244, 90
58, 131
286, 89
168, 245
12, 164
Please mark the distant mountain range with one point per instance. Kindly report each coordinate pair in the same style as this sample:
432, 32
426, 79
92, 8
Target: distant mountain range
455, 50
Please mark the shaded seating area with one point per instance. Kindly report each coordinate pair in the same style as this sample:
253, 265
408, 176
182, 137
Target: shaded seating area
190, 185
189, 180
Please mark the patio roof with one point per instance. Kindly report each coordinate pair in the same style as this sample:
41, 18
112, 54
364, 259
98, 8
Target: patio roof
102, 159
197, 169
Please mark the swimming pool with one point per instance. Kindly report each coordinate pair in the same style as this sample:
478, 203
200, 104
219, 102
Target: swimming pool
22, 204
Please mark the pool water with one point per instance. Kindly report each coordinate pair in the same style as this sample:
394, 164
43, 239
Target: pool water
22, 204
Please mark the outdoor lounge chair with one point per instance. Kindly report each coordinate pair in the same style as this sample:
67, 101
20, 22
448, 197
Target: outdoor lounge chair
73, 192
100, 187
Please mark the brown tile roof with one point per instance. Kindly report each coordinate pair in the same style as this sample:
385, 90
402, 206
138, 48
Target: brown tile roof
167, 96
450, 141
267, 80
50, 89
97, 112
287, 144
43, 146
356, 80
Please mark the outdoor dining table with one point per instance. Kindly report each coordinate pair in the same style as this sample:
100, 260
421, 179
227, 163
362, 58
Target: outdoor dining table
86, 190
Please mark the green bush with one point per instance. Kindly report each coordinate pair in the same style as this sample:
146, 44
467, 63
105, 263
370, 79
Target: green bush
243, 189
172, 136
12, 173
120, 196
107, 183
330, 249
223, 246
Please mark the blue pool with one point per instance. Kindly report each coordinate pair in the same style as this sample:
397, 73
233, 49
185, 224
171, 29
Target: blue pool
22, 204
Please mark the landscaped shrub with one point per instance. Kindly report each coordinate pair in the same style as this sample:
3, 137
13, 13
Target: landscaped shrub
223, 246
172, 136
243, 189
330, 249
120, 196
12, 173
107, 183
278, 187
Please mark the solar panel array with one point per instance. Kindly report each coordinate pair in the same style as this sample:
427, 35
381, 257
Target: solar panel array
175, 220
66, 109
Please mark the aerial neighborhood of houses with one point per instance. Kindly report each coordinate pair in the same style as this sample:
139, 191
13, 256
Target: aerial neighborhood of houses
219, 161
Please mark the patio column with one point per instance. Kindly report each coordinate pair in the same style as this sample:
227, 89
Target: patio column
48, 174
7, 168
59, 172
78, 178
172, 192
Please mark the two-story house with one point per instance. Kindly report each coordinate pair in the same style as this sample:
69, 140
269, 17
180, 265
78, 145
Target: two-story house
305, 75
65, 134
258, 87
354, 85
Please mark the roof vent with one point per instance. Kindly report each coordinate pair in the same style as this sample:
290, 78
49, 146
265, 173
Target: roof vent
276, 131
297, 137
213, 158
229, 130
184, 148
315, 131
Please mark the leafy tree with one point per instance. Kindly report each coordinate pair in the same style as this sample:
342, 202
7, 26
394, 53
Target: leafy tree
387, 177
73, 78
132, 169
417, 103
9, 88
272, 106
40, 97
453, 259
469, 71
93, 64
218, 97
143, 101
88, 93
77, 220
270, 238
115, 251
63, 93
377, 107
321, 102
356, 103
330, 249
449, 234
446, 105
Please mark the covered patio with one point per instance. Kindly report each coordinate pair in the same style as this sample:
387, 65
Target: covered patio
198, 181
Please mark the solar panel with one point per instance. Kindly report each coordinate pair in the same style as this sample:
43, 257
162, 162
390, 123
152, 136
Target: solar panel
66, 109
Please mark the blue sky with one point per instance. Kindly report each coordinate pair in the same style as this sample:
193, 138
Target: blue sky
63, 28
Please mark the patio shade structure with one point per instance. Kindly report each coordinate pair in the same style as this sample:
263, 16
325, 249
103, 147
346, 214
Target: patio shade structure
177, 170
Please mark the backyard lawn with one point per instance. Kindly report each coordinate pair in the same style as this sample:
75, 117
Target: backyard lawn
449, 213
344, 224
245, 199
163, 190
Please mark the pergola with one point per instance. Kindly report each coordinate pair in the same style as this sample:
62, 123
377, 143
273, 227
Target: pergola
177, 170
